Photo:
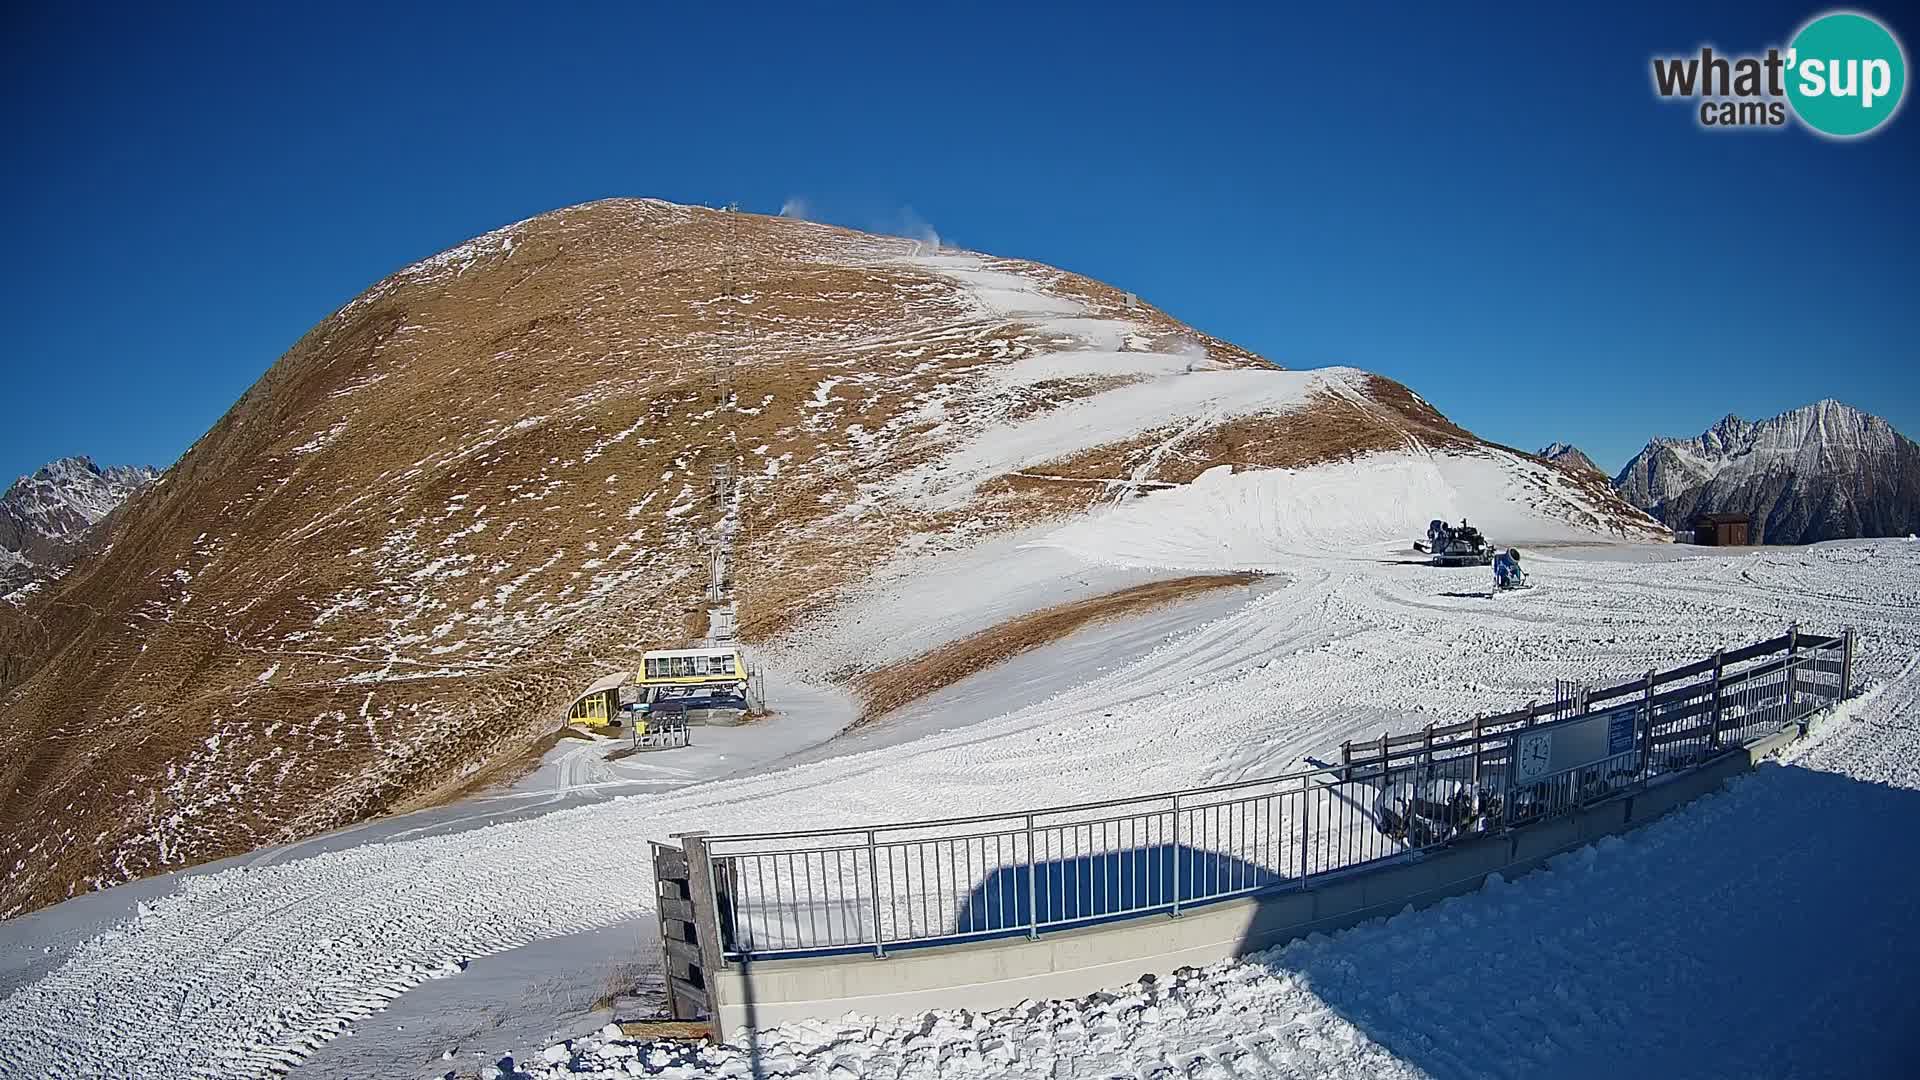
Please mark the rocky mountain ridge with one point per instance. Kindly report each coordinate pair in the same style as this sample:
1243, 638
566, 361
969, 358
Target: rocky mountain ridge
46, 515
1568, 456
1824, 471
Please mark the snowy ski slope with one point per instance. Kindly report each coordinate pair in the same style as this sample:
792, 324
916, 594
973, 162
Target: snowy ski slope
1243, 521
244, 971
1762, 931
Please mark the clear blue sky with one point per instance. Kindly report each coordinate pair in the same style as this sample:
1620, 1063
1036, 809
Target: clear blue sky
1493, 209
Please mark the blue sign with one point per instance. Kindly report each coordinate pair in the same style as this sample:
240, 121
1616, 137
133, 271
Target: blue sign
1620, 732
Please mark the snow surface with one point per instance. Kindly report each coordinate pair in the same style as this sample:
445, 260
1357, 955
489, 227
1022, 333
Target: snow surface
1182, 387
884, 619
250, 967
1258, 520
1043, 673
1001, 294
1766, 930
1093, 363
1202, 398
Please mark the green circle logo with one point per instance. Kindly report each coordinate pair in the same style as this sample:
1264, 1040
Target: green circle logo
1846, 74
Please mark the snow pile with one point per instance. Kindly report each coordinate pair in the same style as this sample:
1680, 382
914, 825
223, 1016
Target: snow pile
1235, 521
1245, 1020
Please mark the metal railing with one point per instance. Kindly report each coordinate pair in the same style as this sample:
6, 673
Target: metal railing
661, 733
882, 886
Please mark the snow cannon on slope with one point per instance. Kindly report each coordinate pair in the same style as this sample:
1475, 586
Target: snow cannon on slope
1460, 545
1507, 573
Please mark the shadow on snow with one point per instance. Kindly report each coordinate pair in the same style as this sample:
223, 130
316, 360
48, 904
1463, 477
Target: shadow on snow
1772, 929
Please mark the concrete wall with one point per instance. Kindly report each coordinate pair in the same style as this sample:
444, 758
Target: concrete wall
1073, 963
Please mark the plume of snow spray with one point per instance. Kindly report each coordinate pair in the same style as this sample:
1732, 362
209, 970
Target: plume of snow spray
1194, 353
916, 228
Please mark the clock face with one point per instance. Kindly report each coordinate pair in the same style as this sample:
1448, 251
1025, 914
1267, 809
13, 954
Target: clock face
1534, 754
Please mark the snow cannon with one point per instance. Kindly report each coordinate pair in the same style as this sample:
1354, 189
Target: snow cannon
1507, 573
1423, 812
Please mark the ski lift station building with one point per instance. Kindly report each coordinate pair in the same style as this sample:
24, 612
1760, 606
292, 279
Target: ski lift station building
721, 668
716, 666
598, 704
1721, 530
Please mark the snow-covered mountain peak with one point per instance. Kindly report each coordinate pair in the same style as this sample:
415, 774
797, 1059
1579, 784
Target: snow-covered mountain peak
1829, 422
1819, 472
1728, 436
45, 513
1568, 456
67, 496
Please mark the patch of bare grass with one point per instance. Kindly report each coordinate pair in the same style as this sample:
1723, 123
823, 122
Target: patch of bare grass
896, 685
506, 772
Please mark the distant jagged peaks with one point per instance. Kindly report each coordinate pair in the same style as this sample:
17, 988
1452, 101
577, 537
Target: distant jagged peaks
1825, 471
1726, 436
75, 471
1569, 456
44, 515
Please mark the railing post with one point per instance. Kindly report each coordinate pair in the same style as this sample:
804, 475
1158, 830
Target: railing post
1646, 734
1306, 822
1476, 757
1719, 669
1846, 663
1033, 885
1346, 760
705, 899
1793, 672
873, 876
1176, 856
1513, 766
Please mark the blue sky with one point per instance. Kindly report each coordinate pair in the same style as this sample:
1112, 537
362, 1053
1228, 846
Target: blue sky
1491, 207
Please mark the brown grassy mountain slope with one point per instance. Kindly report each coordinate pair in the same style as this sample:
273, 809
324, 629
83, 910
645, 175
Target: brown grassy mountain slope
485, 481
